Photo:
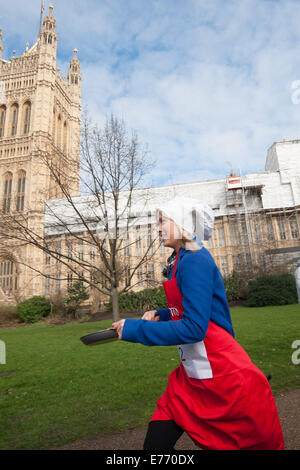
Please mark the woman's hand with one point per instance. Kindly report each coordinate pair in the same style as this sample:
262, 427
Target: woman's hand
151, 316
118, 325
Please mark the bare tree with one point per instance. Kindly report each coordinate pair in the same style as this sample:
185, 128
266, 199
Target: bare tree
108, 217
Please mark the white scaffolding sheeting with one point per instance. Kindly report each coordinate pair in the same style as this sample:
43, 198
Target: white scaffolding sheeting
277, 187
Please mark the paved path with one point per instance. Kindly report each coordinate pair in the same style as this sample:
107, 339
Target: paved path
288, 405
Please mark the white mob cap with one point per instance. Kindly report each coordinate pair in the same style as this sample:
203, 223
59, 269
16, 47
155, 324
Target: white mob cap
192, 215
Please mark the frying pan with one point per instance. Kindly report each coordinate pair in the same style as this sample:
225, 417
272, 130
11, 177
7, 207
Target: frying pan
100, 337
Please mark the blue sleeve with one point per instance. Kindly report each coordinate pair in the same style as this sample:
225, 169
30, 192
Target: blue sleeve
164, 314
195, 281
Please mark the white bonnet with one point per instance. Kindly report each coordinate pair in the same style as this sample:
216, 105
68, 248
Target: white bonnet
192, 215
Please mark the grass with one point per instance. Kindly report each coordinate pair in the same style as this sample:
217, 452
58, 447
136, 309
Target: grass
62, 390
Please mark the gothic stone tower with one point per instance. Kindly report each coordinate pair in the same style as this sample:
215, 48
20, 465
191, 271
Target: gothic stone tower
39, 122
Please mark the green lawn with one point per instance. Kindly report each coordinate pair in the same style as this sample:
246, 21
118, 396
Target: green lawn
62, 390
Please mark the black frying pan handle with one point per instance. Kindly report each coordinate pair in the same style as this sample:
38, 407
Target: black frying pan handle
99, 337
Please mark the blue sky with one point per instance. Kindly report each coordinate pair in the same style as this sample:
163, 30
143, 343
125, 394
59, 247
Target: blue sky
203, 83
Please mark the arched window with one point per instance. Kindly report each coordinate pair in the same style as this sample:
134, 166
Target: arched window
54, 126
8, 178
50, 39
8, 276
14, 119
26, 117
21, 191
2, 120
58, 143
65, 137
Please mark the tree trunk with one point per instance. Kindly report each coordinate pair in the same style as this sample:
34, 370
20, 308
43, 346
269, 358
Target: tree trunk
115, 304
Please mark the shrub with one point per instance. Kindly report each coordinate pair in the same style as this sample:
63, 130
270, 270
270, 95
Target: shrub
147, 299
58, 306
34, 309
235, 286
8, 314
272, 289
77, 294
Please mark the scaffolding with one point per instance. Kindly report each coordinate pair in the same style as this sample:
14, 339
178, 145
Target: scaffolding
262, 233
236, 202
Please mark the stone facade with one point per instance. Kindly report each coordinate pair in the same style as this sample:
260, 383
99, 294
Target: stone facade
39, 119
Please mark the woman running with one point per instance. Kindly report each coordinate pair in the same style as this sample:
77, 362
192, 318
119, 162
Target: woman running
217, 395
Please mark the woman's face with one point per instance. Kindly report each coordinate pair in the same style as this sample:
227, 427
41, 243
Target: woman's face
169, 232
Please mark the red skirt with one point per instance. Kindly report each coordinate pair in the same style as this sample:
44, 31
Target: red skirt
234, 409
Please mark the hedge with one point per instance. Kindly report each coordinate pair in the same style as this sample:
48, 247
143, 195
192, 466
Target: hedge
235, 286
147, 299
34, 309
272, 289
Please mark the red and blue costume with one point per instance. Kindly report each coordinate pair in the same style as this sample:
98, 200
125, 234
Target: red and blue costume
217, 395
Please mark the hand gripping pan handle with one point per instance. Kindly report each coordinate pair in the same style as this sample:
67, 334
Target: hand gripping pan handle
100, 337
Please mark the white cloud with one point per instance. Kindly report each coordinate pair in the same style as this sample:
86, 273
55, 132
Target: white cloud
202, 82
